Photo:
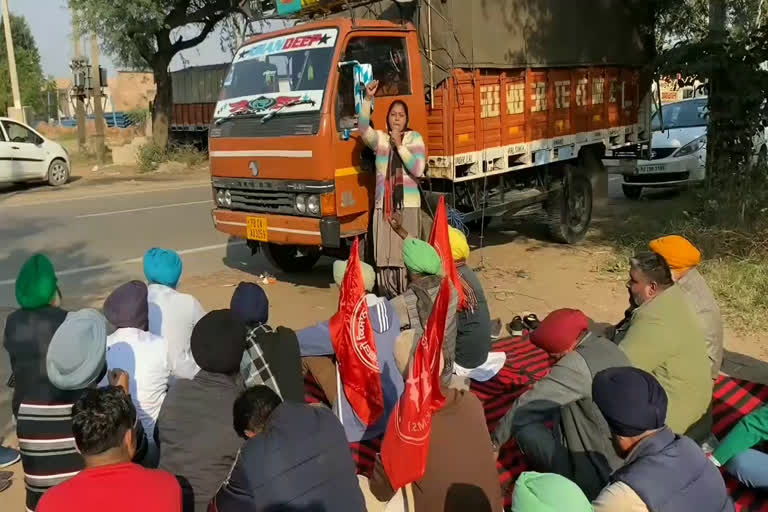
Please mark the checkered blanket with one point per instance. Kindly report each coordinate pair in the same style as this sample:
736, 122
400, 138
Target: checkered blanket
526, 364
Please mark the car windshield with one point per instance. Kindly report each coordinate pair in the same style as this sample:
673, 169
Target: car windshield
684, 114
270, 74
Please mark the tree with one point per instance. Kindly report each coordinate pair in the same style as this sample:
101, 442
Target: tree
729, 53
28, 67
147, 34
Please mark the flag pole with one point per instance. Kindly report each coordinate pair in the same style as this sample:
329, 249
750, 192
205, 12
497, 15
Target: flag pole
338, 392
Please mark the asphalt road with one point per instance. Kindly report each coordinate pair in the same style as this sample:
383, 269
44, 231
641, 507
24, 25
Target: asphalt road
96, 237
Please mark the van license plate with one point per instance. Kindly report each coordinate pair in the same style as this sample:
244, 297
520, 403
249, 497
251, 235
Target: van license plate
256, 229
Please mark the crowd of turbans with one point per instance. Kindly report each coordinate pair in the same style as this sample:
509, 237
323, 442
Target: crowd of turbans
151, 403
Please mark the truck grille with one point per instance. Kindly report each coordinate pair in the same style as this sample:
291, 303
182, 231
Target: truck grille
268, 195
263, 201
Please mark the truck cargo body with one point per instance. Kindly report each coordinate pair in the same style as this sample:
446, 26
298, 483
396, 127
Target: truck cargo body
499, 138
195, 92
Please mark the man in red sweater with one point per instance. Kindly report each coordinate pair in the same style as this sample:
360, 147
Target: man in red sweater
103, 423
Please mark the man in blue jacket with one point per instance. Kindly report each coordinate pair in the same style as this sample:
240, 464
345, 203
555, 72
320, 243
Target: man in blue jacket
316, 350
662, 472
296, 457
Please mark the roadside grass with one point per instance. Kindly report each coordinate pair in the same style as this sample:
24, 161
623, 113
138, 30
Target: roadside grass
151, 156
735, 259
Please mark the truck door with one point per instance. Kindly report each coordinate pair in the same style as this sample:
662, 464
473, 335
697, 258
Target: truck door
355, 173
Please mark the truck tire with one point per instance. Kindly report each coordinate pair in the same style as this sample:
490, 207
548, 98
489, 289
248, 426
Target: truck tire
631, 192
292, 258
570, 214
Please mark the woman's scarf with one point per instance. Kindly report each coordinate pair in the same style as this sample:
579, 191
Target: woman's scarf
393, 195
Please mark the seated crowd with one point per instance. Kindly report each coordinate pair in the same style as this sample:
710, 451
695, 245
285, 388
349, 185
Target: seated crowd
154, 404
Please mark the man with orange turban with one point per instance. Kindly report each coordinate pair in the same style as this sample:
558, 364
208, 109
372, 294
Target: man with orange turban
683, 257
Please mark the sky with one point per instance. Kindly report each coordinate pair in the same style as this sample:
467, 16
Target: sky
50, 22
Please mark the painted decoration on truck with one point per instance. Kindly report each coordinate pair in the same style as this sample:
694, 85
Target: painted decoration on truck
303, 101
311, 40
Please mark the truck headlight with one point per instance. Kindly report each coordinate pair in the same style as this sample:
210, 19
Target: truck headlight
228, 198
301, 203
220, 197
313, 205
692, 147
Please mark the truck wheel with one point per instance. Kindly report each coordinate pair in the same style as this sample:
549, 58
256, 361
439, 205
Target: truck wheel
631, 192
292, 258
569, 213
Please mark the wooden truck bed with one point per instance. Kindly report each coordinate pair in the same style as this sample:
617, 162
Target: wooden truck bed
486, 122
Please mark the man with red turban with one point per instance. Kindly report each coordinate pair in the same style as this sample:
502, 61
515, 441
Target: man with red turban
683, 258
579, 446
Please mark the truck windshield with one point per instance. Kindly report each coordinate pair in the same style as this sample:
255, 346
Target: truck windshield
683, 114
268, 74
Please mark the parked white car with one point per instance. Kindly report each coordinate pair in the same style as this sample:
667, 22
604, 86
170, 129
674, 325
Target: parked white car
25, 155
678, 151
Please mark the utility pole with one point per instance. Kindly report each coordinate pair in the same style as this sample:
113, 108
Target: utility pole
77, 62
98, 109
17, 112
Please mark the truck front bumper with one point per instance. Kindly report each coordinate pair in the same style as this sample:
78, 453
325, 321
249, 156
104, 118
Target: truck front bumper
280, 229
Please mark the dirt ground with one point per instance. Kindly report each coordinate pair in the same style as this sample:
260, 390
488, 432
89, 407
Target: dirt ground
520, 273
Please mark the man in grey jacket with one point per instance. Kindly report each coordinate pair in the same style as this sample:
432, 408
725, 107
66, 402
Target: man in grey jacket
579, 446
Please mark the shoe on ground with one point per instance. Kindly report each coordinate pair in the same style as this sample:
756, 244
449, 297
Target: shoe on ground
496, 328
8, 457
531, 321
516, 326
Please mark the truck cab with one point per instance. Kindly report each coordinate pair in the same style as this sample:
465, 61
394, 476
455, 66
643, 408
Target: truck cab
288, 169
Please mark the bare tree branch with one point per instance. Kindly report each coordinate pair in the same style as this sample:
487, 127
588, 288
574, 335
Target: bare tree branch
210, 10
185, 44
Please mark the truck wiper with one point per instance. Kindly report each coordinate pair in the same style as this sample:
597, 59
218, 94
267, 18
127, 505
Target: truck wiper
221, 120
301, 101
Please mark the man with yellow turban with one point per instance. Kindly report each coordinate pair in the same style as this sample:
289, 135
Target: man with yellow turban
474, 358
683, 258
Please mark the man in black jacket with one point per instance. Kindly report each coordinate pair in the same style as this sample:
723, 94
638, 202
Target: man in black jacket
296, 458
197, 443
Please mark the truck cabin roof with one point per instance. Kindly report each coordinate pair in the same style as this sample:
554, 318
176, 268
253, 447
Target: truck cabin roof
343, 24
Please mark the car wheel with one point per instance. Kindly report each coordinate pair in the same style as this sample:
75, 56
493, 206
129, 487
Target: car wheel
58, 173
631, 192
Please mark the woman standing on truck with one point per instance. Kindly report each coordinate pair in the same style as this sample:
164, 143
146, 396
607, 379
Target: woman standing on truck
399, 163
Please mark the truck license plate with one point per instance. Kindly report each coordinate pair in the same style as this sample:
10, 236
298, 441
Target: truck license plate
650, 169
256, 229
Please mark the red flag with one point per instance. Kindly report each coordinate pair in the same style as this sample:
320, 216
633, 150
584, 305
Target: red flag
441, 242
355, 347
405, 447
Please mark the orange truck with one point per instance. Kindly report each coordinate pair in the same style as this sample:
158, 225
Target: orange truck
518, 101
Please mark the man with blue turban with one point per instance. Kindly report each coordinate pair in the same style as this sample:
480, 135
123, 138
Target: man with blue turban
172, 315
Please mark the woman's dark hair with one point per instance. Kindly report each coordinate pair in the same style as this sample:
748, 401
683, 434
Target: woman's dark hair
407, 115
100, 419
252, 409
654, 267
